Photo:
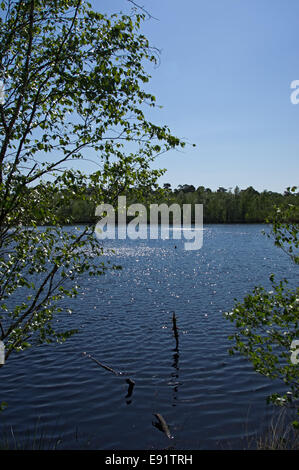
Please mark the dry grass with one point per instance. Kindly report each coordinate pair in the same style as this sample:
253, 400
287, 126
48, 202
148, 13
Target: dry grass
281, 435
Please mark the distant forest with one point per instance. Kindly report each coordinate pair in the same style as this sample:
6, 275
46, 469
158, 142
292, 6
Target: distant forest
220, 206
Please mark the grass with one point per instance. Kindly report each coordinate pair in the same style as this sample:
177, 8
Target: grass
280, 435
36, 439
39, 438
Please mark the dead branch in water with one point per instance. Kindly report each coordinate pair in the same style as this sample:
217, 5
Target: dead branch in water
129, 381
162, 425
102, 365
175, 331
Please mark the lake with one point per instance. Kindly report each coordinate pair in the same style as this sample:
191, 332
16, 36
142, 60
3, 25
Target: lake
210, 400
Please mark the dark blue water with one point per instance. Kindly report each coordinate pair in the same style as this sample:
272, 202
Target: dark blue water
57, 396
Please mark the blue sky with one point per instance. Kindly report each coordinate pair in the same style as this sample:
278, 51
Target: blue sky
224, 84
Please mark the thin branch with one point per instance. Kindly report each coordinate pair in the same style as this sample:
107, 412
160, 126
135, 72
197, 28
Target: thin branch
143, 9
23, 89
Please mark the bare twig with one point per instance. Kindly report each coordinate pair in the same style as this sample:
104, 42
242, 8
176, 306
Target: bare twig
143, 9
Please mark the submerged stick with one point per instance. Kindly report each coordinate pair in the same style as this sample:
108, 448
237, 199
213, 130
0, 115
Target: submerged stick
162, 425
102, 365
129, 381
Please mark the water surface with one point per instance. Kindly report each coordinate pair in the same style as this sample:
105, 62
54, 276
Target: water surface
209, 399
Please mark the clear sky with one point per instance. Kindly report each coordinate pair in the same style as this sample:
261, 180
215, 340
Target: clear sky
225, 84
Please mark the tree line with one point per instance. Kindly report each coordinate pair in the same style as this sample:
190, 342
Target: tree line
219, 206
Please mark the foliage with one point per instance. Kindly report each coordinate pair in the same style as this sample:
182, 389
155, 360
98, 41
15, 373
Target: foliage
285, 229
267, 322
73, 92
